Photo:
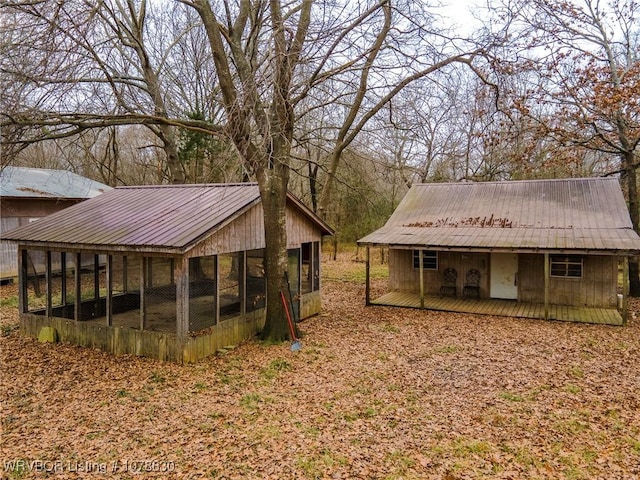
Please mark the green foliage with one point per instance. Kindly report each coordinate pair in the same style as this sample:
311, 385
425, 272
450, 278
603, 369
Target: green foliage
363, 210
7, 329
512, 397
201, 155
157, 377
573, 389
447, 349
19, 469
251, 401
11, 301
275, 367
200, 386
388, 327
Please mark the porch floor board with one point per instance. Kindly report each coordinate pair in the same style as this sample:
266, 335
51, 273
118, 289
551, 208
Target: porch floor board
506, 308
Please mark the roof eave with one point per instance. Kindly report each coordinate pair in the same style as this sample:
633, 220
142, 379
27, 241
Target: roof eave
505, 249
324, 227
97, 248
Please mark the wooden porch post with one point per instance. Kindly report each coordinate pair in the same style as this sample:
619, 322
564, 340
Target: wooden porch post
182, 297
143, 286
625, 289
216, 290
47, 273
367, 285
421, 271
109, 300
546, 285
77, 306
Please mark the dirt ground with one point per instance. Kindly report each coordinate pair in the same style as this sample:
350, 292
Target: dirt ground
375, 392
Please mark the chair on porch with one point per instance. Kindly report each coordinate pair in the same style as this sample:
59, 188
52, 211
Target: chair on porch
472, 284
449, 277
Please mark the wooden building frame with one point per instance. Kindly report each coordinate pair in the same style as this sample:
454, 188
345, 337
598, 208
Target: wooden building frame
549, 249
179, 290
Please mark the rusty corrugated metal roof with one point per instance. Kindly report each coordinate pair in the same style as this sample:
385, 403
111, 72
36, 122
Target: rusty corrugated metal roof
26, 182
170, 218
566, 214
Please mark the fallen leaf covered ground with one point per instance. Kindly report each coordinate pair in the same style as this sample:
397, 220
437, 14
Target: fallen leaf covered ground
375, 392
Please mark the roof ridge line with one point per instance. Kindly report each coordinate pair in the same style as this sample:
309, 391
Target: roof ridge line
502, 182
189, 185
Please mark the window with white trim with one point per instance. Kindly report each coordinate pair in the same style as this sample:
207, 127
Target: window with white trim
429, 259
566, 266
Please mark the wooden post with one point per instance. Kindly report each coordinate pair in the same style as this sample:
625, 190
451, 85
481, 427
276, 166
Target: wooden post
546, 285
625, 289
314, 261
149, 272
96, 277
77, 307
49, 311
125, 276
182, 297
63, 278
109, 301
242, 282
23, 283
96, 284
421, 271
367, 283
216, 290
143, 286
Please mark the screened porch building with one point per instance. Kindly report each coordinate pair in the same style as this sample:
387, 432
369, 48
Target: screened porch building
173, 272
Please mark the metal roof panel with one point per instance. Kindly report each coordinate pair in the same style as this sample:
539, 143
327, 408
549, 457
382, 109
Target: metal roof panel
46, 183
583, 213
167, 216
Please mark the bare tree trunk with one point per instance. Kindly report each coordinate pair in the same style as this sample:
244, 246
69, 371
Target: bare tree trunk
313, 184
634, 213
273, 192
266, 153
168, 137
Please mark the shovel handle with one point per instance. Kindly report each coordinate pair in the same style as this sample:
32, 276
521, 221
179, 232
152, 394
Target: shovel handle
286, 310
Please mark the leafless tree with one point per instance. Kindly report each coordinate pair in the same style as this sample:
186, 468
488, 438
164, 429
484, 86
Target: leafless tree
78, 65
268, 66
582, 60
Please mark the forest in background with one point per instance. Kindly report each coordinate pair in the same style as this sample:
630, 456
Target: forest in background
346, 104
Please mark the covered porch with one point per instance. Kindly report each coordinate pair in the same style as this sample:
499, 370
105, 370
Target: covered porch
507, 308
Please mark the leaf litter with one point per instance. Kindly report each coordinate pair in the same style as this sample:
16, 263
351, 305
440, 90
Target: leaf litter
376, 392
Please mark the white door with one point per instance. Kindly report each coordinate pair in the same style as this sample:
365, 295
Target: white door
503, 276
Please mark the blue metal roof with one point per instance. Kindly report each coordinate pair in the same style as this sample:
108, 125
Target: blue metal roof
46, 183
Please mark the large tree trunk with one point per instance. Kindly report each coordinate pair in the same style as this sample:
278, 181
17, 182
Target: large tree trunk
634, 213
176, 172
273, 192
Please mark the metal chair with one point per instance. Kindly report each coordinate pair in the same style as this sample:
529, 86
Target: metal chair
472, 284
449, 277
